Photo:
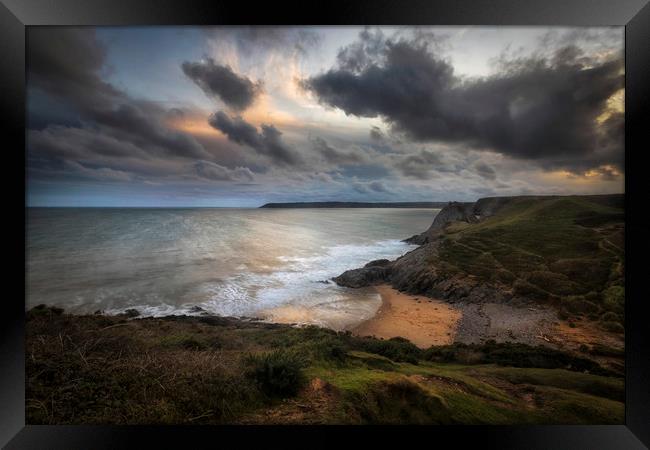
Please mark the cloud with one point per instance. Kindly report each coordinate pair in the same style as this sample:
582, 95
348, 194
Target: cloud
378, 186
248, 40
267, 142
138, 124
66, 63
541, 108
334, 156
220, 81
376, 134
99, 174
371, 187
419, 165
216, 172
485, 171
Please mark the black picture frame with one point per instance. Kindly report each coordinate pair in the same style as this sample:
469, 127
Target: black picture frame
16, 15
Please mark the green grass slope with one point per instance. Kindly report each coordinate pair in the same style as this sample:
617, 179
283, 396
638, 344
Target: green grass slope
210, 370
568, 251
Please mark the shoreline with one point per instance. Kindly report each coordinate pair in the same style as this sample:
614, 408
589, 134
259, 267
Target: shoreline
423, 321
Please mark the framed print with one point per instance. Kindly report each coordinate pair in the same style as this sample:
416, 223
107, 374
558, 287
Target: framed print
376, 218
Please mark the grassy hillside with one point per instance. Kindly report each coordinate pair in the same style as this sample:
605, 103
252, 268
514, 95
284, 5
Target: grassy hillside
204, 370
568, 251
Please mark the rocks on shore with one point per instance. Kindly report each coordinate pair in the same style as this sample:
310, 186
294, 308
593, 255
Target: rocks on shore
131, 312
413, 274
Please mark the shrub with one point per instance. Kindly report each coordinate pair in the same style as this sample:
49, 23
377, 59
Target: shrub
512, 354
504, 276
397, 402
588, 272
594, 297
613, 326
577, 304
610, 317
183, 341
398, 349
192, 344
614, 298
331, 350
277, 373
528, 290
555, 283
603, 350
44, 310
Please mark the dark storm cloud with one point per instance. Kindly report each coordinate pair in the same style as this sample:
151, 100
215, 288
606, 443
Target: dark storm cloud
66, 64
538, 108
236, 91
267, 142
485, 171
132, 122
334, 156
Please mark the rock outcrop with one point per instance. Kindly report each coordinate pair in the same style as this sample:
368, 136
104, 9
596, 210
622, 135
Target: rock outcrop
411, 273
459, 212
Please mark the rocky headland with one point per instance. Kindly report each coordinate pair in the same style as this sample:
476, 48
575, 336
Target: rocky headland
522, 269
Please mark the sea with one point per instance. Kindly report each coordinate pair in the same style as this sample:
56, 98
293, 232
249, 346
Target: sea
270, 264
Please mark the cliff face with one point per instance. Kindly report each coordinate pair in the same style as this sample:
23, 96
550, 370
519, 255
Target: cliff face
413, 274
565, 251
460, 212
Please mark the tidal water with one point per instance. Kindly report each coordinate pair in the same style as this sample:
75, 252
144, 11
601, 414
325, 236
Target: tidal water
272, 264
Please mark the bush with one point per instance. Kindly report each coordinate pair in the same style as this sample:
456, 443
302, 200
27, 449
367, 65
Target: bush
613, 326
614, 299
183, 341
577, 304
277, 373
512, 354
555, 283
331, 350
592, 273
528, 290
594, 297
44, 310
610, 317
397, 402
397, 349
603, 350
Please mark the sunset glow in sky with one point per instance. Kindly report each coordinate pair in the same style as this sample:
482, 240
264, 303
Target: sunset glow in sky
241, 116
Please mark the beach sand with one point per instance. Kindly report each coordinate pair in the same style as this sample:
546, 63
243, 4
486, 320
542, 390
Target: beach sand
421, 320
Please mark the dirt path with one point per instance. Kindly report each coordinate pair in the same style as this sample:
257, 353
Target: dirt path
421, 320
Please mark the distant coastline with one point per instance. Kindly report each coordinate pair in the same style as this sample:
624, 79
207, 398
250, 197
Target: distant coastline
355, 205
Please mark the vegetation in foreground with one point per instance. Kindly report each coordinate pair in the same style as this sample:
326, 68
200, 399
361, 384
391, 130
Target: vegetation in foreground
209, 370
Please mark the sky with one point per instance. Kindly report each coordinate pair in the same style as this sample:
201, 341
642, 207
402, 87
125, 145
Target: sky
242, 116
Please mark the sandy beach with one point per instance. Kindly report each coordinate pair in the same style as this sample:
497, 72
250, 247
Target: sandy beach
423, 321
426, 322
